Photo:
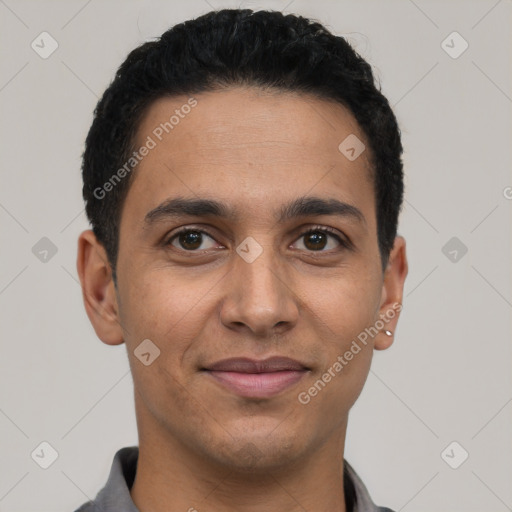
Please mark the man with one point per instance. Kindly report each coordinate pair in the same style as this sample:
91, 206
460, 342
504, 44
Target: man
243, 179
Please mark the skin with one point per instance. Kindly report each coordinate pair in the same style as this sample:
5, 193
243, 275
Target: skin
223, 451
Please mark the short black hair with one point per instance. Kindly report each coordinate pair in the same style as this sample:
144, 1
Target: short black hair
237, 47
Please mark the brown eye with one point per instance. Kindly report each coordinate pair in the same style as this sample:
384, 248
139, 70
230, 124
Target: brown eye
319, 240
315, 240
190, 240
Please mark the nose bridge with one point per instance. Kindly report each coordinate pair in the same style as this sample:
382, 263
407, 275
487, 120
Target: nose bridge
261, 273
259, 295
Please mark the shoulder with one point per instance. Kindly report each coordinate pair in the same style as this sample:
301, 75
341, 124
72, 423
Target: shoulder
115, 495
363, 500
87, 507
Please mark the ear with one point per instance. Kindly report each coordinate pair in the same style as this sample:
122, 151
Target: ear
392, 293
98, 289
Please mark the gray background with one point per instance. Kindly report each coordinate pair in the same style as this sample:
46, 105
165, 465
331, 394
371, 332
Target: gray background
446, 378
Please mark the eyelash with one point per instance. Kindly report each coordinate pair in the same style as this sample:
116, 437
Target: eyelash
316, 229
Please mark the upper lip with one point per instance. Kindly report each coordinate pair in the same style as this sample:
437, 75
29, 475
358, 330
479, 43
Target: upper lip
247, 365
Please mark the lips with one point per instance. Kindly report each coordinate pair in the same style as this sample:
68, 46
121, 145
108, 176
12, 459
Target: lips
257, 378
246, 365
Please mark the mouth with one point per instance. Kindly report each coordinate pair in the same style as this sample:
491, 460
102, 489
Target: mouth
257, 378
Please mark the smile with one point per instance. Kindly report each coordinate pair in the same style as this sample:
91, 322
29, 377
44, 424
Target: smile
258, 385
257, 379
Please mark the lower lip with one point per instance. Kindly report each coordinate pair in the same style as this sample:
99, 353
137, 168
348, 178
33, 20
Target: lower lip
258, 385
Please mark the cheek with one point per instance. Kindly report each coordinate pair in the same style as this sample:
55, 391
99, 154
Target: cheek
336, 398
166, 307
344, 306
174, 310
170, 310
341, 314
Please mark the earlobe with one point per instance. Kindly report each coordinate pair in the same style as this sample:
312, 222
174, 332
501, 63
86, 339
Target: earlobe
98, 290
392, 294
384, 339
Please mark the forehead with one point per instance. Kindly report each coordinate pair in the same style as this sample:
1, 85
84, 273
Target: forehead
245, 143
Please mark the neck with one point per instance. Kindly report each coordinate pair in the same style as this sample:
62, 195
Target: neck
171, 476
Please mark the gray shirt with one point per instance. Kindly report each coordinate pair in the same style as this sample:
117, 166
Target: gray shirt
115, 496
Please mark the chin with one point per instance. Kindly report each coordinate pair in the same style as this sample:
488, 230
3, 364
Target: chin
257, 448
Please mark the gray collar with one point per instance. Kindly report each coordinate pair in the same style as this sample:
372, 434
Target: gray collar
115, 496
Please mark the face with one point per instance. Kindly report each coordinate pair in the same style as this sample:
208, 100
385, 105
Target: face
282, 262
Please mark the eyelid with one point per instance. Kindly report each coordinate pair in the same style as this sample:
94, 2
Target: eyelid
185, 229
343, 240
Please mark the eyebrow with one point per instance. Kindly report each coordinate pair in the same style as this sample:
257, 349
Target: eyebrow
305, 206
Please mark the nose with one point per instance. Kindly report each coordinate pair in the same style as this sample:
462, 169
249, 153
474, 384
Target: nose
259, 296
